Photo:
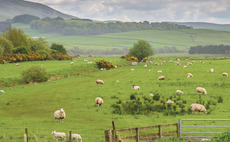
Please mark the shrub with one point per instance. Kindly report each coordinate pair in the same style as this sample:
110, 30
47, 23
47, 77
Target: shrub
21, 50
104, 64
59, 48
145, 59
34, 74
132, 59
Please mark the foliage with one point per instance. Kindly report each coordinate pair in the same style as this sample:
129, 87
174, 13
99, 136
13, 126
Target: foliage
61, 56
21, 50
210, 49
145, 59
224, 137
34, 74
39, 44
140, 50
104, 64
25, 18
6, 44
44, 53
59, 48
16, 36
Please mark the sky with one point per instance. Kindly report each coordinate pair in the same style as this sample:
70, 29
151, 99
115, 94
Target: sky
213, 11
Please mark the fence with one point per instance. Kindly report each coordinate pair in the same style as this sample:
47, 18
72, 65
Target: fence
200, 130
113, 135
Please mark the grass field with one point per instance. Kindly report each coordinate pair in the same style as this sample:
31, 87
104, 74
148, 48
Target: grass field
182, 39
32, 106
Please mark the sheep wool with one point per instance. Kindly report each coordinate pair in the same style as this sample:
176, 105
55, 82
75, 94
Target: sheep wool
161, 78
225, 74
2, 91
179, 92
201, 90
189, 75
136, 87
99, 81
59, 135
99, 101
198, 107
76, 137
60, 115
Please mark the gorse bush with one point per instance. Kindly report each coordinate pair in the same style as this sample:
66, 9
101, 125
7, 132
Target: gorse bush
34, 74
104, 64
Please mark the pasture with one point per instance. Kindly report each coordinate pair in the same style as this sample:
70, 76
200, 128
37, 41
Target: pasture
32, 106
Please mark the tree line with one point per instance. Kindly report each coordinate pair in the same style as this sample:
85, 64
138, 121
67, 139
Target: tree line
210, 49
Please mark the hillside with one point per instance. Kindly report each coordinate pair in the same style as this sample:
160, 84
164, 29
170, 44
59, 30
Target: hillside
11, 8
204, 25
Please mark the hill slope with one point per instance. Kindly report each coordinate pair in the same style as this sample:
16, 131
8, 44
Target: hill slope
11, 8
204, 25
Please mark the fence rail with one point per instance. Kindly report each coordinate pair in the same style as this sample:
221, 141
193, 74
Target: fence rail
112, 135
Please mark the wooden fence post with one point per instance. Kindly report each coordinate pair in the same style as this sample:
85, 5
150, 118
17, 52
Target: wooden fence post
70, 136
177, 130
108, 136
114, 132
160, 131
26, 132
137, 135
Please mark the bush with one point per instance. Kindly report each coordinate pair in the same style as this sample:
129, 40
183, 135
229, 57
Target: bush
145, 59
59, 48
104, 64
34, 74
21, 50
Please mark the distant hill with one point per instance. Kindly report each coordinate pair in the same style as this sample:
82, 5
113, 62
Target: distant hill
11, 8
204, 25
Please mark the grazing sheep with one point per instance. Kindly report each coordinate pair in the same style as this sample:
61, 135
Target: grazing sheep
17, 64
145, 66
201, 90
136, 87
115, 67
71, 63
193, 62
189, 75
157, 64
132, 69
99, 81
2, 91
185, 67
60, 115
99, 101
189, 63
198, 107
161, 78
101, 69
177, 63
178, 59
163, 61
76, 137
160, 71
90, 62
85, 60
225, 74
150, 62
59, 135
211, 70
179, 92
170, 102
151, 95
170, 61
201, 61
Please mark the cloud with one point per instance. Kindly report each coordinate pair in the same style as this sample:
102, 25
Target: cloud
150, 10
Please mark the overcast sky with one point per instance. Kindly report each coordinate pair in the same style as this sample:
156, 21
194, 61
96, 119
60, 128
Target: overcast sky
214, 11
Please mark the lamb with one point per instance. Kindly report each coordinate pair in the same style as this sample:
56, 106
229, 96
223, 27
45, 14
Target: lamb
132, 69
99, 81
60, 115
71, 63
76, 137
201, 90
189, 75
161, 78
225, 74
211, 70
179, 92
145, 66
170, 102
17, 64
59, 135
136, 87
160, 71
99, 101
2, 91
198, 107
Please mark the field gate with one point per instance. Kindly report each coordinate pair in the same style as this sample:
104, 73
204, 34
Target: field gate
204, 130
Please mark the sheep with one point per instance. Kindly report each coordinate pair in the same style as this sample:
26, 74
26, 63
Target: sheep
201, 90
145, 66
76, 137
185, 67
71, 63
2, 91
211, 70
160, 71
85, 60
99, 81
189, 63
151, 95
198, 107
170, 102
136, 87
157, 64
17, 64
179, 92
201, 61
225, 74
161, 78
60, 115
90, 62
58, 135
115, 67
177, 63
132, 69
99, 101
193, 62
150, 62
189, 75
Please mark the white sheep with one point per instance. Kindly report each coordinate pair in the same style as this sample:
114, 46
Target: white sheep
76, 137
185, 67
99, 101
189, 63
85, 60
71, 63
193, 62
90, 62
136, 87
225, 74
60, 115
198, 107
211, 70
99, 81
17, 64
132, 69
161, 78
170, 102
201, 61
201, 90
160, 71
157, 64
179, 92
189, 75
58, 135
145, 66
115, 67
177, 63
151, 95
2, 91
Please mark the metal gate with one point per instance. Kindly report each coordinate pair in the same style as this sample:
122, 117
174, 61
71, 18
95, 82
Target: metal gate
204, 130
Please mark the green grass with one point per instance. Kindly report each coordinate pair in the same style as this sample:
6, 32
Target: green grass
182, 39
32, 106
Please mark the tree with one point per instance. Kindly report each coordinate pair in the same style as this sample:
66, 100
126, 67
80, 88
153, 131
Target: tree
140, 50
59, 48
6, 45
